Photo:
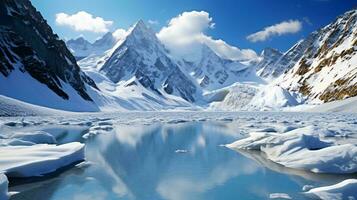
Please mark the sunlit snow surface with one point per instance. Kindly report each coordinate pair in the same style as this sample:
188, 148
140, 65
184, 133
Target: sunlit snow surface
164, 155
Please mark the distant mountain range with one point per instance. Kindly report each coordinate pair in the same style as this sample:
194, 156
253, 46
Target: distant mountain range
138, 73
81, 48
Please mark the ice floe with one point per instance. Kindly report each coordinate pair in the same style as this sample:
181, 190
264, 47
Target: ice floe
303, 148
37, 137
181, 151
343, 190
38, 159
279, 196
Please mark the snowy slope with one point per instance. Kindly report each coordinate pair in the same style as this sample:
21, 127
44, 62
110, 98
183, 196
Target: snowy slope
233, 98
36, 67
13, 107
347, 105
328, 69
273, 97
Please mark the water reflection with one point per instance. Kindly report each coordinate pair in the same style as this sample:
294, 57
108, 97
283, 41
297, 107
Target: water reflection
140, 162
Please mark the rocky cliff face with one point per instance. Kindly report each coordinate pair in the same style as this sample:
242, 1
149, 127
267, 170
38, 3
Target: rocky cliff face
143, 59
327, 70
28, 44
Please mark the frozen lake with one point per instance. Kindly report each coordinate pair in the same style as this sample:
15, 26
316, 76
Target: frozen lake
173, 156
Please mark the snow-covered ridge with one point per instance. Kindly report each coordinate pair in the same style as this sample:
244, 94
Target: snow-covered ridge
327, 70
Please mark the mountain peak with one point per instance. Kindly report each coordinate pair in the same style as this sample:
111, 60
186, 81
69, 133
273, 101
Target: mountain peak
207, 52
140, 33
79, 40
105, 40
270, 52
107, 35
141, 28
140, 23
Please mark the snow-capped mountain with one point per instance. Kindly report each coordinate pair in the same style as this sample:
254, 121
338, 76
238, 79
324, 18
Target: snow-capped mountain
266, 64
81, 48
35, 64
287, 61
142, 59
327, 70
213, 72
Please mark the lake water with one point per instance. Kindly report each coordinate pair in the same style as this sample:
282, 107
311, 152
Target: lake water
171, 161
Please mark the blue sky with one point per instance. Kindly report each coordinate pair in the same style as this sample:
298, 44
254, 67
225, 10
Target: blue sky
234, 19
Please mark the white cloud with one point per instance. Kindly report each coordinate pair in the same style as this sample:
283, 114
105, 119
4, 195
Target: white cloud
285, 27
83, 21
227, 51
120, 33
185, 35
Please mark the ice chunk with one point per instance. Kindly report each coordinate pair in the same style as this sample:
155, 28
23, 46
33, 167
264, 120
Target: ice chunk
302, 149
3, 187
15, 142
181, 151
343, 190
279, 196
38, 159
37, 137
